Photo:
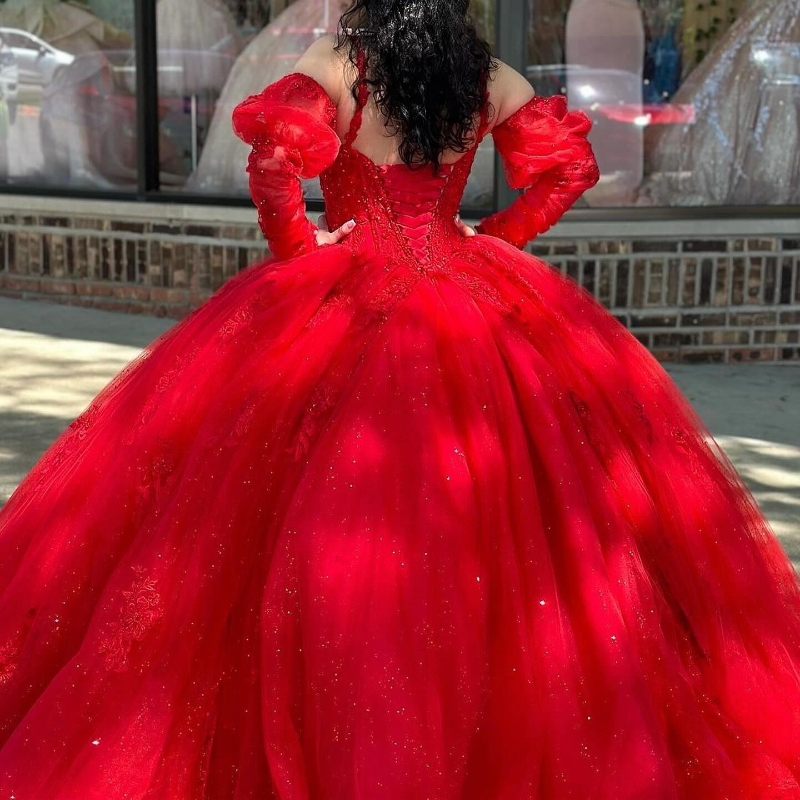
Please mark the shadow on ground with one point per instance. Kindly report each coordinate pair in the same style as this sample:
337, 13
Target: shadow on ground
72, 322
24, 437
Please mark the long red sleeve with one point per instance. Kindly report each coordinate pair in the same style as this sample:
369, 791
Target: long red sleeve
289, 125
546, 153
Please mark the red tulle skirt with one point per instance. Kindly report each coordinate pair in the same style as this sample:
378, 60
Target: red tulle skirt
351, 531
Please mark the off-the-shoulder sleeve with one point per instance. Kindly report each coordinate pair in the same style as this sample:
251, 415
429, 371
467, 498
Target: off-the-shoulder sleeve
546, 153
289, 127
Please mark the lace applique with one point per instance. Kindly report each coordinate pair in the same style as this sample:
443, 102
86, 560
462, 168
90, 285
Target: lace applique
513, 273
323, 399
245, 418
391, 294
147, 413
480, 288
517, 310
164, 382
181, 362
233, 426
132, 366
134, 749
140, 611
75, 433
205, 759
332, 302
243, 421
243, 317
686, 442
85, 421
162, 464
233, 325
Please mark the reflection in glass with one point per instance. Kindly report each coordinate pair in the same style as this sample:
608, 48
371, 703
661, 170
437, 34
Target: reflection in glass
61, 81
546, 33
704, 111
198, 44
36, 60
605, 52
744, 146
87, 126
269, 55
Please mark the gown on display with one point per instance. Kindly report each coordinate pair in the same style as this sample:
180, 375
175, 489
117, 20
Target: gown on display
411, 516
743, 148
268, 57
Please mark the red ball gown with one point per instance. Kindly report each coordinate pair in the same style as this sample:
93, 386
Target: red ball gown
409, 517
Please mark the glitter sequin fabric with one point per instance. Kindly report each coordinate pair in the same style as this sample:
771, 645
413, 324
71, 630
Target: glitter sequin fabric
743, 147
409, 517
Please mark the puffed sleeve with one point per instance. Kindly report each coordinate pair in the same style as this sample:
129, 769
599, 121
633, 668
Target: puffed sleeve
545, 153
290, 128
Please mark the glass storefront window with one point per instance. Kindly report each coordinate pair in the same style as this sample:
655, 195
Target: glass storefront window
214, 53
693, 103
67, 94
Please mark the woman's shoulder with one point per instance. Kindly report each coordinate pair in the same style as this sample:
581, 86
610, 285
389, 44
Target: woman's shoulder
321, 48
509, 90
324, 63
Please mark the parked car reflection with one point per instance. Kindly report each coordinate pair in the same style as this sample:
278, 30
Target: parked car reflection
38, 61
87, 121
9, 79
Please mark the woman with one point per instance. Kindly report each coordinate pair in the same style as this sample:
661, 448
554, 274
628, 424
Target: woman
400, 512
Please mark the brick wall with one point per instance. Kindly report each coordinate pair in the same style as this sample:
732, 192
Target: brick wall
725, 299
142, 267
689, 298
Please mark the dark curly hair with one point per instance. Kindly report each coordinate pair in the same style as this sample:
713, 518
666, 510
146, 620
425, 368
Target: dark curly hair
428, 69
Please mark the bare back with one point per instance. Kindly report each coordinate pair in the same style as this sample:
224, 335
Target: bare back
508, 90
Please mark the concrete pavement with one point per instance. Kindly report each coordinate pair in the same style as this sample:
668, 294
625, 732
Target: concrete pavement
55, 358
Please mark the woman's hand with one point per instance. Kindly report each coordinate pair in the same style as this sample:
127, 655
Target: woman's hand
323, 236
464, 229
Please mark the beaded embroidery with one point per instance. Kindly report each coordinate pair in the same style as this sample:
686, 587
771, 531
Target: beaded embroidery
10, 651
9, 658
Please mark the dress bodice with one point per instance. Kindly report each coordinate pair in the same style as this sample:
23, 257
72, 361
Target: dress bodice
401, 210
397, 208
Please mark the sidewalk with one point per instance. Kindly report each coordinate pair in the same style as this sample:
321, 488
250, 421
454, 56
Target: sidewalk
55, 358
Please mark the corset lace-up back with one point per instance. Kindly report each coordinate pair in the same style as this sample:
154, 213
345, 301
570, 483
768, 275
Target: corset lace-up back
402, 209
